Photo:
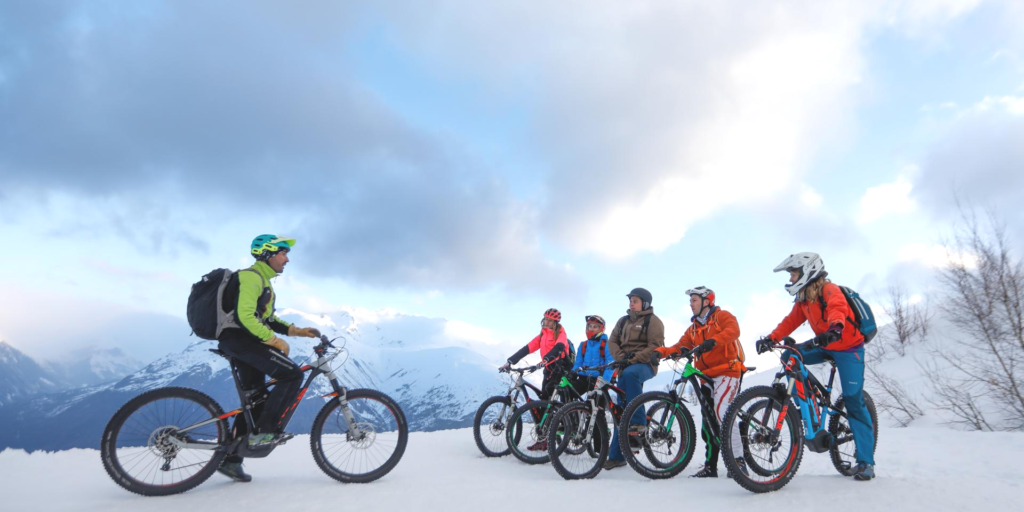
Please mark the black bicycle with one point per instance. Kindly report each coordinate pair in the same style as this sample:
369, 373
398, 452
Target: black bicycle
493, 416
777, 422
526, 434
578, 435
669, 438
169, 440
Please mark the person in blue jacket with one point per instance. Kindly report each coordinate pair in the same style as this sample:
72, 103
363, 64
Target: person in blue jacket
592, 352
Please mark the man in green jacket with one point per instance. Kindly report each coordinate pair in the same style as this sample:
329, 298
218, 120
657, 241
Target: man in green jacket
251, 339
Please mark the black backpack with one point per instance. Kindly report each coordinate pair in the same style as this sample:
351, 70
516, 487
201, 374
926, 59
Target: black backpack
205, 315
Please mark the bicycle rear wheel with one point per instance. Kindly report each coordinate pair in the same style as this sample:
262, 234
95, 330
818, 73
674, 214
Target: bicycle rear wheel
772, 440
489, 426
844, 451
571, 454
527, 435
369, 450
142, 445
667, 441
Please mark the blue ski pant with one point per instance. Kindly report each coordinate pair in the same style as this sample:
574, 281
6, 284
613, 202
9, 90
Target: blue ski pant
631, 380
851, 379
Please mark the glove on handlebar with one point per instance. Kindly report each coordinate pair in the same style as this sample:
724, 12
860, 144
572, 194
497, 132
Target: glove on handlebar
834, 333
705, 347
308, 332
666, 351
764, 345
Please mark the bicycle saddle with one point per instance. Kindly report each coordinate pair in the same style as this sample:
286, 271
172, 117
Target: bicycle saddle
219, 353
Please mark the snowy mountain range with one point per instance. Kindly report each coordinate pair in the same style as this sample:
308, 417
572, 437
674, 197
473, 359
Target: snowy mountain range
405, 356
22, 376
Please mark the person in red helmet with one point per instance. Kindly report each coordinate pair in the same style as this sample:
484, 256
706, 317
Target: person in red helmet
554, 345
713, 338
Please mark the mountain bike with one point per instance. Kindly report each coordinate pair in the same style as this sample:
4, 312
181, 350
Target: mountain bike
578, 435
668, 440
492, 417
526, 435
169, 440
777, 422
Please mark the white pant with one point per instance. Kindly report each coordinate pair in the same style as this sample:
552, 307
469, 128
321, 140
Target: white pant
724, 392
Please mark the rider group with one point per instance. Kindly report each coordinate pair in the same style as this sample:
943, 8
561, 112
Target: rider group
638, 341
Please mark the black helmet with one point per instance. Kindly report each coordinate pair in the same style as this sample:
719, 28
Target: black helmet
643, 295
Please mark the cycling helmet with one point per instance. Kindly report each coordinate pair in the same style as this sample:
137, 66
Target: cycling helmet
264, 246
642, 294
553, 314
808, 265
705, 293
597, 320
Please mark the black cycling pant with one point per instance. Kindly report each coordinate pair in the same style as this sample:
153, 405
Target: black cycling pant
255, 361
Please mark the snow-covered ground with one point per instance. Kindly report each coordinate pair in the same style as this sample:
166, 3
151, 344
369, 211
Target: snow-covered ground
919, 468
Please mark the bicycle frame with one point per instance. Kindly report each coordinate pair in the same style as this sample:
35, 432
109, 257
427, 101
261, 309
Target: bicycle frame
322, 366
692, 376
597, 397
809, 396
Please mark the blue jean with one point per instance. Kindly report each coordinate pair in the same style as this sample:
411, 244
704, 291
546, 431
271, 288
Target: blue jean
631, 380
851, 378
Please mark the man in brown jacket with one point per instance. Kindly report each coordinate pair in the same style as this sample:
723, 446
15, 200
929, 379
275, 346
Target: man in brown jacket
634, 340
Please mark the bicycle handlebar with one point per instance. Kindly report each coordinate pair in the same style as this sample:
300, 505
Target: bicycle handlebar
601, 368
525, 369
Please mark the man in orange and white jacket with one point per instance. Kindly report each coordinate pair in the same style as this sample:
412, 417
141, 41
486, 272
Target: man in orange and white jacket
714, 340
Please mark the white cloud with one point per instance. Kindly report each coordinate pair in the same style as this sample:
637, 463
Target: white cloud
810, 197
936, 256
887, 199
462, 331
1011, 104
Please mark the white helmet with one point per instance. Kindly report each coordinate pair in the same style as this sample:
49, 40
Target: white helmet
807, 264
704, 292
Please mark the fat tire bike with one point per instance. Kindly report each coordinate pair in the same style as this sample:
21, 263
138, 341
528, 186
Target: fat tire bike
169, 440
777, 422
669, 439
527, 427
493, 415
578, 435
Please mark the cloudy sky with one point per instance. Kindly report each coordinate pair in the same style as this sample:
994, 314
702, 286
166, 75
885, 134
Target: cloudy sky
483, 161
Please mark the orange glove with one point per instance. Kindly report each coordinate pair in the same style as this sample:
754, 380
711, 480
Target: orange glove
309, 332
666, 351
279, 344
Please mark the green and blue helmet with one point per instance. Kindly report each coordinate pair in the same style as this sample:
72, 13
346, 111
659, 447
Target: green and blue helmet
264, 246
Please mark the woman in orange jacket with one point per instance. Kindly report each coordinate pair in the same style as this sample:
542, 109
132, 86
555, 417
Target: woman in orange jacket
714, 339
823, 305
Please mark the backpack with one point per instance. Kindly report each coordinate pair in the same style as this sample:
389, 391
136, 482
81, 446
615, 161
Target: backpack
621, 325
741, 356
583, 349
205, 315
572, 351
863, 318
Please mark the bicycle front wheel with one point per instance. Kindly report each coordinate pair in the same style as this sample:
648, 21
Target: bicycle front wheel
366, 449
527, 435
572, 454
489, 426
771, 436
164, 441
664, 446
